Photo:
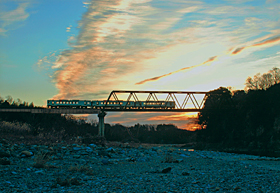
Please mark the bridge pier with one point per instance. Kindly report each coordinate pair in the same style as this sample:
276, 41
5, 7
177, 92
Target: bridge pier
101, 125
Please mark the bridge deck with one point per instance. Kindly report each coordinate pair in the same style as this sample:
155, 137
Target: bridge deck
55, 111
90, 111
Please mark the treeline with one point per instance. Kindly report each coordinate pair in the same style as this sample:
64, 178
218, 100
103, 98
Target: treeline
68, 126
244, 119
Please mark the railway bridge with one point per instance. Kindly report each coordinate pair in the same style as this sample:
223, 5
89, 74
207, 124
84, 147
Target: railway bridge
183, 101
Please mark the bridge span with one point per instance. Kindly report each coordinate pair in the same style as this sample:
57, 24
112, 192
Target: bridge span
183, 101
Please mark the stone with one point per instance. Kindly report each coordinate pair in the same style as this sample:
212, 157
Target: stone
76, 156
111, 150
26, 154
166, 170
74, 181
185, 173
39, 172
77, 148
5, 161
4, 154
104, 153
105, 162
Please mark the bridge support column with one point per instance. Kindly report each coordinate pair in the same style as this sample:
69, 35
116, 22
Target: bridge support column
101, 125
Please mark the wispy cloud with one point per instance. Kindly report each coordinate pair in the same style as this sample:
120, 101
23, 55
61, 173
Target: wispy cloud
11, 19
266, 42
121, 43
182, 69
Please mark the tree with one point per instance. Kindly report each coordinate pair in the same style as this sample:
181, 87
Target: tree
264, 81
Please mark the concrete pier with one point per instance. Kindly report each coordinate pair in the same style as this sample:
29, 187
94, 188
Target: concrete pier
101, 125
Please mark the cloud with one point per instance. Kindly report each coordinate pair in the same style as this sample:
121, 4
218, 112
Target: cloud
237, 50
68, 29
267, 42
121, 41
211, 59
10, 19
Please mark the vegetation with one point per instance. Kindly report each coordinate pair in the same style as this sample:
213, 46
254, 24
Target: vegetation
55, 127
250, 121
246, 119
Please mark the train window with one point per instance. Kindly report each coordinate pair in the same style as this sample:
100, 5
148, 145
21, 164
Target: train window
101, 103
88, 102
52, 102
67, 102
85, 102
70, 102
121, 103
97, 103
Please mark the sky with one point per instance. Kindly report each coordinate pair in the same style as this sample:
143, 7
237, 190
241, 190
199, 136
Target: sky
72, 49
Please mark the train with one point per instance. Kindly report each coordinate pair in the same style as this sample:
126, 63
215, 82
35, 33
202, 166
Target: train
103, 104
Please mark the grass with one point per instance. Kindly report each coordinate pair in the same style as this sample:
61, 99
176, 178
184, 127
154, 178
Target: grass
169, 159
82, 168
41, 159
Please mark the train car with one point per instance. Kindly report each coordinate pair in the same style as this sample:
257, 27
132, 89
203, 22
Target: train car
69, 104
100, 104
158, 104
108, 104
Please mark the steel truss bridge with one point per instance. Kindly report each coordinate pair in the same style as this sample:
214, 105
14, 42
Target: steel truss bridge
184, 102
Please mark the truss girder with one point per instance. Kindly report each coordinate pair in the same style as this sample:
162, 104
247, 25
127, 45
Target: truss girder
189, 103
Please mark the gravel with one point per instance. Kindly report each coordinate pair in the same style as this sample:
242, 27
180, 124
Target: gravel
122, 168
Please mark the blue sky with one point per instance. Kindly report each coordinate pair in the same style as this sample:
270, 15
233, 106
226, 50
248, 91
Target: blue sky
84, 49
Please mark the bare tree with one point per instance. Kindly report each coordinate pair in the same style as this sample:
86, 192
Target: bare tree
264, 81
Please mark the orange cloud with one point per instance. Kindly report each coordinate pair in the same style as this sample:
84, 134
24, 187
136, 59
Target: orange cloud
176, 117
237, 50
190, 126
211, 59
263, 43
269, 41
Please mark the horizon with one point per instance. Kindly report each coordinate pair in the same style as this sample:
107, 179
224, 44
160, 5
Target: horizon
86, 49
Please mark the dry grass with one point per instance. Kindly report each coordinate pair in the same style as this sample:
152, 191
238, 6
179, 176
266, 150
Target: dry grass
40, 160
169, 159
82, 168
14, 127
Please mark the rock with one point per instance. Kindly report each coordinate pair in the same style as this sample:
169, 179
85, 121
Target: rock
93, 145
4, 154
166, 170
76, 156
111, 150
26, 154
5, 161
185, 173
39, 172
77, 148
236, 188
62, 182
84, 153
131, 159
74, 181
104, 153
105, 162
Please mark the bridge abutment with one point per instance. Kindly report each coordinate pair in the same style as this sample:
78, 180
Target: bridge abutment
101, 124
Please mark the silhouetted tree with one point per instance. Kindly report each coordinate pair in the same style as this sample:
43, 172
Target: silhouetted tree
264, 81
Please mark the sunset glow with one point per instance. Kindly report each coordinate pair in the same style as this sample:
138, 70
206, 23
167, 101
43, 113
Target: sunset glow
91, 48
